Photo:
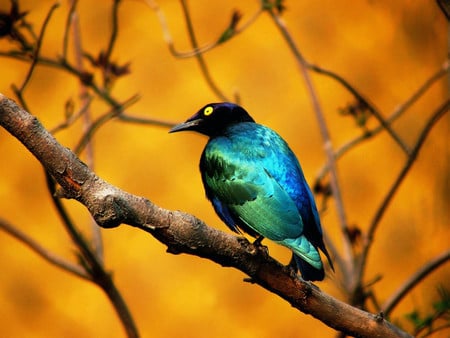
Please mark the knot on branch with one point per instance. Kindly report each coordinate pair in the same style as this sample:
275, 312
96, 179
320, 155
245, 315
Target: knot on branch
109, 211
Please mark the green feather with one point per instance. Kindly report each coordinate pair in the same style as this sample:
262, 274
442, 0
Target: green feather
256, 197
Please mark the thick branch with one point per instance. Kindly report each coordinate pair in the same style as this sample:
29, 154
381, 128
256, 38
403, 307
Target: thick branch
183, 233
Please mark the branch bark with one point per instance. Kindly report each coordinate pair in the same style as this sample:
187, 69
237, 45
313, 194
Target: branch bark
181, 232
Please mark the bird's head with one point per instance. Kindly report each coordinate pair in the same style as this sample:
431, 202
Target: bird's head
213, 118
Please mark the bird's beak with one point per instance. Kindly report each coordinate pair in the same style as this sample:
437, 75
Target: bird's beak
188, 125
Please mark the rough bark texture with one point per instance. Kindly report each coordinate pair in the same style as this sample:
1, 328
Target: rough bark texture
183, 233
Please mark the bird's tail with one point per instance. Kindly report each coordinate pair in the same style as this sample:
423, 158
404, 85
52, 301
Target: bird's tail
307, 258
308, 271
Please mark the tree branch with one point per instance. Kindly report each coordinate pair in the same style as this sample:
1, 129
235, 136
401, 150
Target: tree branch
97, 240
201, 60
35, 58
368, 238
183, 233
348, 267
365, 102
349, 145
43, 252
230, 32
424, 271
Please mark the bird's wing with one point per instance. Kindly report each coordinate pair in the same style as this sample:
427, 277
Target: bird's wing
256, 198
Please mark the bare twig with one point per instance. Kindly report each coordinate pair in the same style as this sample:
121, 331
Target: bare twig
92, 263
71, 69
85, 101
19, 91
112, 41
114, 29
334, 252
43, 252
420, 91
198, 50
72, 117
347, 268
69, 24
231, 31
393, 189
413, 280
95, 125
444, 5
201, 61
145, 120
359, 97
434, 330
394, 116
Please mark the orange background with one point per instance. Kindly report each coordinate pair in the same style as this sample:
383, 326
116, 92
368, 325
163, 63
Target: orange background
385, 49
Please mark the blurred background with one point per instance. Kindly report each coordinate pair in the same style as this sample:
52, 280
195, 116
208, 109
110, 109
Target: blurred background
385, 49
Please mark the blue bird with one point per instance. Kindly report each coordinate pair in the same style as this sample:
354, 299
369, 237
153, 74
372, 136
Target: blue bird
256, 185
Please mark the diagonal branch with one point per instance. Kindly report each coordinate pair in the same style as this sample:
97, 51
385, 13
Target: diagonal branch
183, 233
360, 98
347, 268
43, 252
230, 32
19, 91
201, 60
342, 150
97, 240
436, 116
424, 271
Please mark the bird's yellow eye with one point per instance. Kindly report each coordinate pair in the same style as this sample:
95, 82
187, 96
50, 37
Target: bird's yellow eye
208, 111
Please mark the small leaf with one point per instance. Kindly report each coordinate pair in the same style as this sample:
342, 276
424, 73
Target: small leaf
414, 317
278, 5
358, 110
69, 108
444, 302
231, 29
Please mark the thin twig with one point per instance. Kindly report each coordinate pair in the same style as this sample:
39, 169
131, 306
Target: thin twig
144, 120
92, 264
67, 66
334, 252
19, 91
435, 329
413, 280
359, 97
112, 40
334, 181
421, 90
201, 61
38, 47
114, 29
429, 324
69, 24
96, 124
199, 50
97, 240
72, 118
393, 189
393, 117
43, 252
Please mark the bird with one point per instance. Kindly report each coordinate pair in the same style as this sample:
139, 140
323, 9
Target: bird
256, 184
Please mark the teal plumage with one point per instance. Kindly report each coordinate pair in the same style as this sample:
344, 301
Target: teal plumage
256, 184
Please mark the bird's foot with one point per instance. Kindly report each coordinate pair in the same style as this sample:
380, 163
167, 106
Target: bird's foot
249, 280
257, 241
258, 245
293, 265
